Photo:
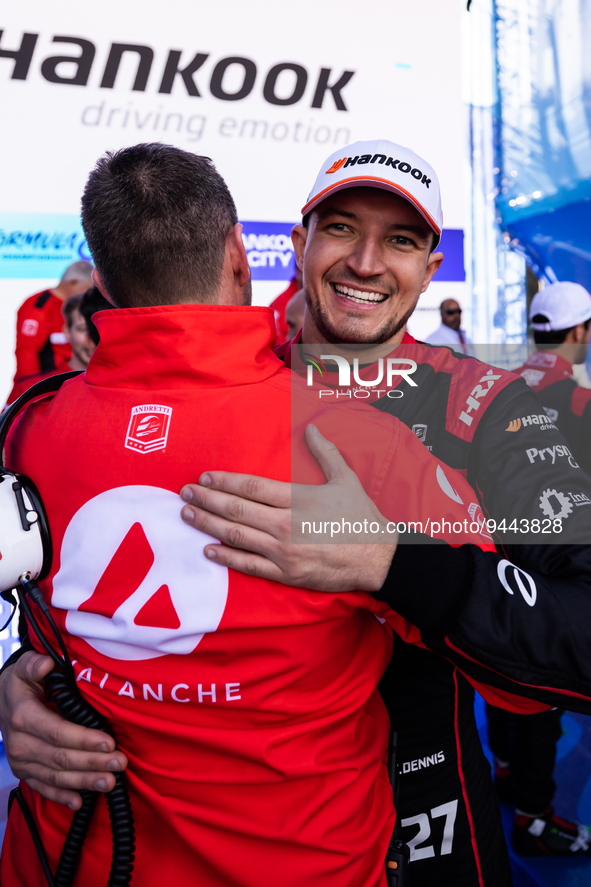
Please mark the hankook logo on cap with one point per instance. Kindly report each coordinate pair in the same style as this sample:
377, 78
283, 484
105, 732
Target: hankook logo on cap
400, 165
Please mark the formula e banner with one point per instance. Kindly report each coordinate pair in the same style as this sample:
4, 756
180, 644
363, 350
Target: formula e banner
40, 245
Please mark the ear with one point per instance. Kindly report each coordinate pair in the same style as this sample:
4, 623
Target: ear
237, 252
299, 235
579, 334
435, 260
96, 279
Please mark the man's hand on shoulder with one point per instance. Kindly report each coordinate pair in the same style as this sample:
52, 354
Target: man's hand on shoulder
253, 516
52, 755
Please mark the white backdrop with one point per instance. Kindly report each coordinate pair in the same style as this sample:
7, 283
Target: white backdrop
406, 87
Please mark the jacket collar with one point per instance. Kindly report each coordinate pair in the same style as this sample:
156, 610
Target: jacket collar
180, 346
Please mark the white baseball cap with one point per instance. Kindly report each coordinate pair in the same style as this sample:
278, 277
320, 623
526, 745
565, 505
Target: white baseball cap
381, 164
565, 305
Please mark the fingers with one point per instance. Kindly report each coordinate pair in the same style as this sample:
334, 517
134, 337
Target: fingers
235, 509
34, 667
232, 534
31, 717
60, 796
328, 456
68, 780
244, 562
247, 486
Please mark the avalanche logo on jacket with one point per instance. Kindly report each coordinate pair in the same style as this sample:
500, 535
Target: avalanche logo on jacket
165, 597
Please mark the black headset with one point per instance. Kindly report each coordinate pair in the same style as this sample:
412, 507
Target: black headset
26, 555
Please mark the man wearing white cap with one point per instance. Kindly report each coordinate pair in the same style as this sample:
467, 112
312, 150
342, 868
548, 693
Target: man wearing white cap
366, 248
560, 317
524, 746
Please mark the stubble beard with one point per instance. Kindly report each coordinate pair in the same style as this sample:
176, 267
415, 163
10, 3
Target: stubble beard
346, 334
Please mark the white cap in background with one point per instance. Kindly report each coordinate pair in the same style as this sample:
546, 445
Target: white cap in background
565, 305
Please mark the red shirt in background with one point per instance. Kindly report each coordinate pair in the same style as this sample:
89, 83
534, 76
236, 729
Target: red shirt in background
40, 341
278, 307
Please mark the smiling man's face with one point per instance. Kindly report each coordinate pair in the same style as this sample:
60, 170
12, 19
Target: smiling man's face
366, 260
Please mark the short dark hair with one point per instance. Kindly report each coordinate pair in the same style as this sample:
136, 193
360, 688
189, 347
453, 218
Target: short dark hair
91, 302
156, 220
70, 305
551, 337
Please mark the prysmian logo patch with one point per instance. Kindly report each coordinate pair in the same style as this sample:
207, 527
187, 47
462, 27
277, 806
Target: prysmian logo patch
148, 428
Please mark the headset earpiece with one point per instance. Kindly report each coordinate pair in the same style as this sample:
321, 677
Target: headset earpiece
25, 540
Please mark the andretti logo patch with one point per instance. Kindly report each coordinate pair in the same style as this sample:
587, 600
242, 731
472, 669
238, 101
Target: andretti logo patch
148, 428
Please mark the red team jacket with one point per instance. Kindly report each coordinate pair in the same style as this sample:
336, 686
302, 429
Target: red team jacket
248, 711
40, 340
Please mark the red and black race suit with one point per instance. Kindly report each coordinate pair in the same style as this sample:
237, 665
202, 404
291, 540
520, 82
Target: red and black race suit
564, 401
512, 620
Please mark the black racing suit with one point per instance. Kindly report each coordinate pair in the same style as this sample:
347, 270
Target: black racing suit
516, 621
470, 607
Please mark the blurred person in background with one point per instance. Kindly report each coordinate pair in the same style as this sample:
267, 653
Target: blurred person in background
560, 317
40, 340
294, 314
524, 746
80, 333
450, 331
279, 306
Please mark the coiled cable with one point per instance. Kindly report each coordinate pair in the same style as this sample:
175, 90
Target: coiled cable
63, 690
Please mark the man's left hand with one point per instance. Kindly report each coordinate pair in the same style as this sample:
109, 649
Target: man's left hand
253, 517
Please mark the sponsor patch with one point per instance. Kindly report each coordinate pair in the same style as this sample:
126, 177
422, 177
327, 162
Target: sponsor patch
551, 454
579, 499
533, 377
148, 428
528, 594
555, 505
420, 431
479, 391
543, 420
30, 327
542, 359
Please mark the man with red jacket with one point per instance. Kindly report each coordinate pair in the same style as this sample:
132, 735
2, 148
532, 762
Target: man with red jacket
40, 342
255, 735
78, 335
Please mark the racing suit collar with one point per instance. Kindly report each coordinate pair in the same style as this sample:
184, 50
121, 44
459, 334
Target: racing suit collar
180, 346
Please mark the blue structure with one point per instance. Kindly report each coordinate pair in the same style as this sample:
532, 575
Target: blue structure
543, 133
